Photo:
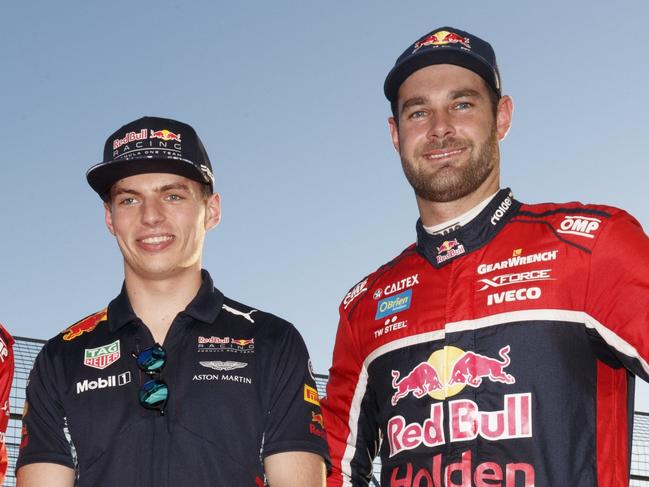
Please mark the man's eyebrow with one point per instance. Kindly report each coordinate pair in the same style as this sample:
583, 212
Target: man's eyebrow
414, 101
172, 186
120, 190
468, 92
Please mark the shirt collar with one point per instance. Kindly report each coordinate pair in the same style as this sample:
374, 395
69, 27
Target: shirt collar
205, 306
439, 250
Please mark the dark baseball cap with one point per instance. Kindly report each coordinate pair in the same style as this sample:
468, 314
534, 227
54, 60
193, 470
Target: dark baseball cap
151, 144
445, 45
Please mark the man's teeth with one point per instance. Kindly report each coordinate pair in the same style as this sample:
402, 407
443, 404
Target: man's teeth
156, 240
445, 154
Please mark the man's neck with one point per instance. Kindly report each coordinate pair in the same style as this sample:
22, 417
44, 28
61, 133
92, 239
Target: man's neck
433, 213
157, 302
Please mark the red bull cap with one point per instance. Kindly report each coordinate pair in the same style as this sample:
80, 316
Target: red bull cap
151, 144
445, 45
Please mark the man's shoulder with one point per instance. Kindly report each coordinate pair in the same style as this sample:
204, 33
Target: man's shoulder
83, 327
580, 224
398, 265
249, 315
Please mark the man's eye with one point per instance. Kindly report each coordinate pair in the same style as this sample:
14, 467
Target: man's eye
174, 197
127, 201
418, 114
463, 105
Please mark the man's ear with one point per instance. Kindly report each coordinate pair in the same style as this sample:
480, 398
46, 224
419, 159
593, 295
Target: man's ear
108, 217
213, 213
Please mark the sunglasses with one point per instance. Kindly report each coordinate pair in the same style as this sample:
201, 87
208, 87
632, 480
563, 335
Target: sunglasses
154, 393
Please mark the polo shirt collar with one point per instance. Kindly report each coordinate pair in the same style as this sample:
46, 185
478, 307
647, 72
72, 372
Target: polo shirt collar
205, 306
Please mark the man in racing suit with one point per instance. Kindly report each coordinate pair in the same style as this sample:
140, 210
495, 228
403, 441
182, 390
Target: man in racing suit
173, 384
501, 348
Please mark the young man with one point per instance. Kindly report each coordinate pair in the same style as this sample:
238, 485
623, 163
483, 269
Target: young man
172, 384
501, 348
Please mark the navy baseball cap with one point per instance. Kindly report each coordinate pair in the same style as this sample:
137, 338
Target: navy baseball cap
151, 144
445, 45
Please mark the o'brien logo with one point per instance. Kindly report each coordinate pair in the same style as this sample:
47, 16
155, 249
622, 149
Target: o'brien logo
394, 304
130, 137
102, 357
442, 38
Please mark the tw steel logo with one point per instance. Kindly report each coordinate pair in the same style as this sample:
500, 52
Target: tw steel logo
469, 369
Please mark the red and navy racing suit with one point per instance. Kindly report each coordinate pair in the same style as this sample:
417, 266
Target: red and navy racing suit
501, 354
6, 377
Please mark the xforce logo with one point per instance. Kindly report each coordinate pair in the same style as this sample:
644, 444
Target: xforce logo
101, 383
508, 279
513, 295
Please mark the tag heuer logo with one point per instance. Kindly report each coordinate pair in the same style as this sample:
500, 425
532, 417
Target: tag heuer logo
102, 357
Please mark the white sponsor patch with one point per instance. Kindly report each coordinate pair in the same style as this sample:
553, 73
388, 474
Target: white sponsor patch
582, 226
220, 365
103, 383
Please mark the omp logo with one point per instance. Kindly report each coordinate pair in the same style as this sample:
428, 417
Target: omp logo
508, 279
579, 225
360, 288
101, 383
512, 295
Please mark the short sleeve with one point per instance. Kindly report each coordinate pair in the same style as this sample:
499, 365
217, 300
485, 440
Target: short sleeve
45, 437
294, 420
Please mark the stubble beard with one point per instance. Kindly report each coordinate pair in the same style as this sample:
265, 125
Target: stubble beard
449, 182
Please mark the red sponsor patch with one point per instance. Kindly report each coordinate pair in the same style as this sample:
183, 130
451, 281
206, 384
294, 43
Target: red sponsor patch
86, 325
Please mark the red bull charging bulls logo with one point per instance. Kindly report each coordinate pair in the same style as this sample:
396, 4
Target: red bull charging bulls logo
436, 379
442, 38
86, 325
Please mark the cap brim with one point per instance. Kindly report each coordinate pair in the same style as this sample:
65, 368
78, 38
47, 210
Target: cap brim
428, 57
102, 176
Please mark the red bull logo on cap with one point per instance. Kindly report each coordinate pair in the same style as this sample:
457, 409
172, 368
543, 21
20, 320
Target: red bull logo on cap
165, 135
436, 379
442, 38
86, 325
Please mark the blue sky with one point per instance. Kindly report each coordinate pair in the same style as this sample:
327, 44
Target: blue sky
287, 97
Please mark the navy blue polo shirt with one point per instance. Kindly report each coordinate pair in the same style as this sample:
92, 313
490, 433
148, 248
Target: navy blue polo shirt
240, 389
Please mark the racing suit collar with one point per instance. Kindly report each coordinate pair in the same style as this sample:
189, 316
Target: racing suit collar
439, 250
205, 306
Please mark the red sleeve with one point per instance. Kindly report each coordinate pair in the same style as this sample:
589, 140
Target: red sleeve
618, 291
6, 378
348, 429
